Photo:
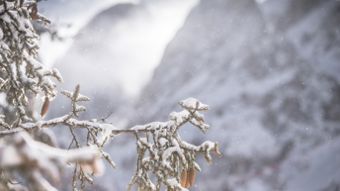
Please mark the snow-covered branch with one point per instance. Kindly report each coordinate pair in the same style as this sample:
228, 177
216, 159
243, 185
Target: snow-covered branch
23, 153
164, 156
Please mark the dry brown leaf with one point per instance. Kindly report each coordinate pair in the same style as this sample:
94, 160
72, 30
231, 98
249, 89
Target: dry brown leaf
34, 12
45, 106
188, 177
191, 177
184, 178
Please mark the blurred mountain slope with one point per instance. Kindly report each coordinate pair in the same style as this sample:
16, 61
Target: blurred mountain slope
274, 92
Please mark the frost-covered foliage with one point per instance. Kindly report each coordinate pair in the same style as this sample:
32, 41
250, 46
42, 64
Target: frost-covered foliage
29, 156
21, 72
163, 153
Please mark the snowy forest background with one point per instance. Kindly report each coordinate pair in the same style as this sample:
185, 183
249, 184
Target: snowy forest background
268, 69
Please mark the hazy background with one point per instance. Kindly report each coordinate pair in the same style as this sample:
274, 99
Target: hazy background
268, 69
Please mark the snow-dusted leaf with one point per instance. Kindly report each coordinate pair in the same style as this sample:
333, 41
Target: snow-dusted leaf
193, 104
67, 93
